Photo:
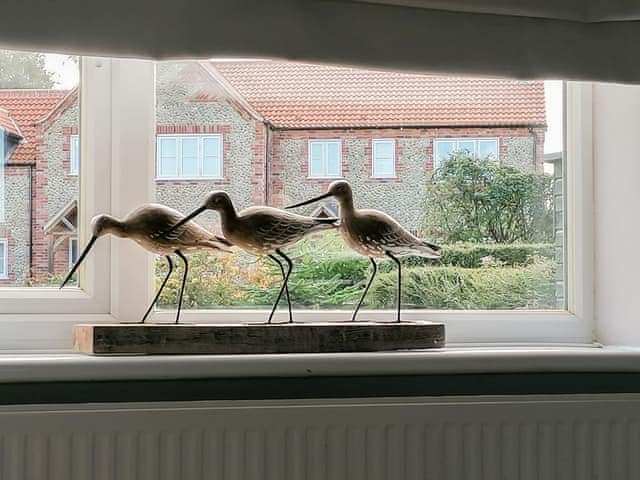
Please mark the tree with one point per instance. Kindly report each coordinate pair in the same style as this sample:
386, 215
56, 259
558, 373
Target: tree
471, 199
24, 70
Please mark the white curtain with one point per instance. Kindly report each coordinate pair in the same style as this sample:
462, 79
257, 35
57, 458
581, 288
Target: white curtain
574, 39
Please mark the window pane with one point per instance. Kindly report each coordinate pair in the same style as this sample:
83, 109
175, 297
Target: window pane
383, 161
75, 154
443, 150
384, 150
211, 147
316, 165
316, 130
168, 160
212, 164
189, 159
168, 147
39, 123
212, 167
3, 258
333, 159
488, 149
467, 146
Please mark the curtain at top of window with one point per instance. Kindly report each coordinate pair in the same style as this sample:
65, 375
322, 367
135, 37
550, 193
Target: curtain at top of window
587, 40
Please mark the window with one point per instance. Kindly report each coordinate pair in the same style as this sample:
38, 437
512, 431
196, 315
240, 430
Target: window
474, 147
74, 164
115, 183
4, 254
384, 159
325, 158
73, 250
189, 156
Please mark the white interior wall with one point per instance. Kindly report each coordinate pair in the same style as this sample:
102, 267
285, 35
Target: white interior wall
616, 158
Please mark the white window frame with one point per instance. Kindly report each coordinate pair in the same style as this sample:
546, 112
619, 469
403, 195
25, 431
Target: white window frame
74, 154
476, 140
200, 155
118, 124
4, 260
114, 276
374, 144
325, 160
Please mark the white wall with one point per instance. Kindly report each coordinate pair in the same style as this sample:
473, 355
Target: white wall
616, 158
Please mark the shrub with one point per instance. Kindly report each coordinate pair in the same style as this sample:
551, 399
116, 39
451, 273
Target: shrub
447, 287
471, 199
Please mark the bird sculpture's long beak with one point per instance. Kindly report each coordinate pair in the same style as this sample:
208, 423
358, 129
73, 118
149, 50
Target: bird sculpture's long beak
92, 240
193, 214
306, 202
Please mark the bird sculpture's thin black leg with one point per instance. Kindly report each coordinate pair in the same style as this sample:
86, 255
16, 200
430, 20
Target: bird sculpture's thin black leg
286, 282
184, 281
286, 290
399, 282
283, 288
366, 289
164, 282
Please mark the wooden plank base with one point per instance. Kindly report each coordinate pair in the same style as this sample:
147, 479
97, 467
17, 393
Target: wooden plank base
188, 339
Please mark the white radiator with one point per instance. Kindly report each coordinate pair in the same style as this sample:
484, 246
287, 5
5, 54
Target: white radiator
552, 438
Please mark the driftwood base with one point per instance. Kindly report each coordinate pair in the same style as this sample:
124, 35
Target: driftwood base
155, 339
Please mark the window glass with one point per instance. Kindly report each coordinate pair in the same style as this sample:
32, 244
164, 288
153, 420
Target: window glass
3, 258
488, 149
443, 150
168, 166
467, 146
73, 251
333, 159
39, 146
317, 164
289, 130
212, 165
189, 158
383, 158
75, 155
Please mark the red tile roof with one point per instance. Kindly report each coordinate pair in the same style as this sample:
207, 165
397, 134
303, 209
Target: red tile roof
299, 95
26, 107
8, 124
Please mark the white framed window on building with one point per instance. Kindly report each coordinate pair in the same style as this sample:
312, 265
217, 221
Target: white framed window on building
383, 158
325, 159
4, 258
74, 155
443, 148
73, 250
189, 156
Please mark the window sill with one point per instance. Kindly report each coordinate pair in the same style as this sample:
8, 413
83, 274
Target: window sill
61, 367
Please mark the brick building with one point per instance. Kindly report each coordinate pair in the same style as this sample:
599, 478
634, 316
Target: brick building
267, 132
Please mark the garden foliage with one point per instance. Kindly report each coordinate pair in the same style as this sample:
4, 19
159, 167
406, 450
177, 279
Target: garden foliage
478, 200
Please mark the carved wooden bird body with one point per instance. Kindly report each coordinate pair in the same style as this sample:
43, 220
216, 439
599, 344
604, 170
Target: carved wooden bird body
375, 234
143, 225
261, 231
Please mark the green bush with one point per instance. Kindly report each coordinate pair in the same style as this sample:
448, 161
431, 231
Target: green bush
489, 288
475, 200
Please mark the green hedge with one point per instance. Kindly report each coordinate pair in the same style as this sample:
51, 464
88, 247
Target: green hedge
469, 255
338, 282
464, 288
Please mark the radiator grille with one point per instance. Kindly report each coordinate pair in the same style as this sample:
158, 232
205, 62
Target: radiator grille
446, 439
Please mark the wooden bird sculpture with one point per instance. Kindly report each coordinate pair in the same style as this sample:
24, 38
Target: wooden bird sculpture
142, 226
262, 231
375, 234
